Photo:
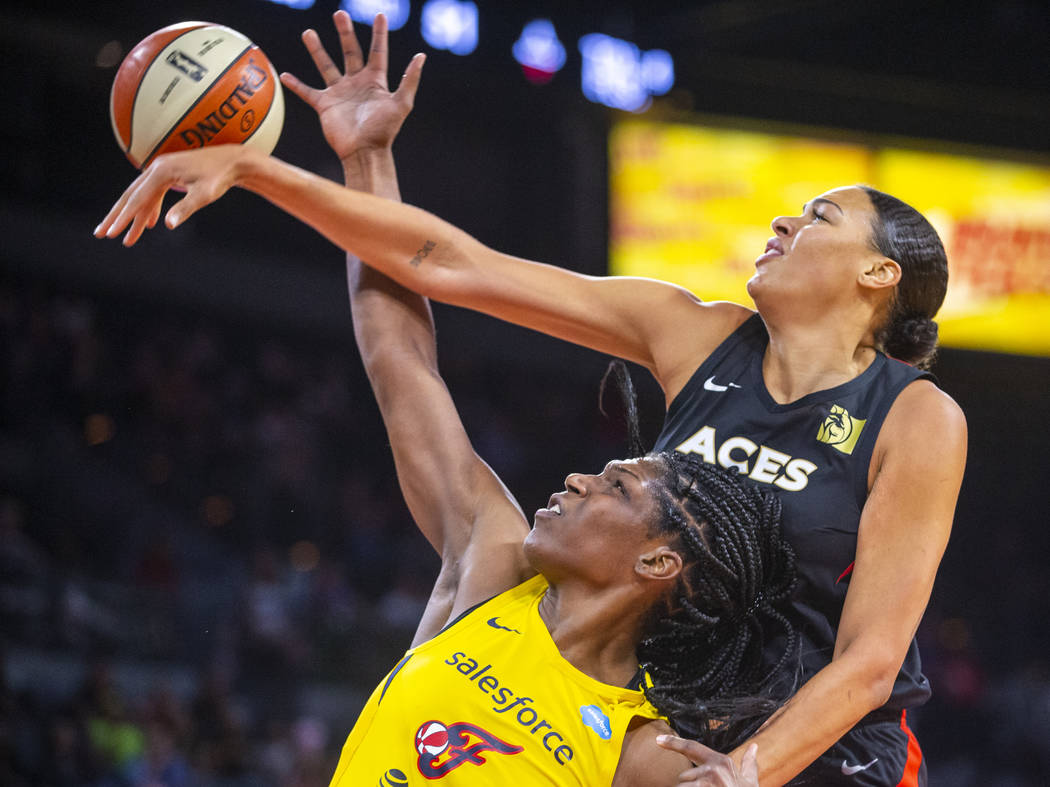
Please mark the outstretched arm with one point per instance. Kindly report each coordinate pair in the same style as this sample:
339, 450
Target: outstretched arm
655, 324
458, 503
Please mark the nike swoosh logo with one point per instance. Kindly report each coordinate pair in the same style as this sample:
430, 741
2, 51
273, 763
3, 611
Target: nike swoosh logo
495, 625
849, 770
711, 385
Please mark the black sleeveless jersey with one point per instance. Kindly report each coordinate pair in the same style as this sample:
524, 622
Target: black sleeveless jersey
814, 453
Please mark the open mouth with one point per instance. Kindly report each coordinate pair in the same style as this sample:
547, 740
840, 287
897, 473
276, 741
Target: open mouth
774, 248
553, 508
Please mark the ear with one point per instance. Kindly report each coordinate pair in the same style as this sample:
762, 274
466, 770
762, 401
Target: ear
880, 273
661, 563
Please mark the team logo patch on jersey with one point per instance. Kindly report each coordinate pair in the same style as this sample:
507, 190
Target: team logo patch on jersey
443, 748
840, 430
594, 718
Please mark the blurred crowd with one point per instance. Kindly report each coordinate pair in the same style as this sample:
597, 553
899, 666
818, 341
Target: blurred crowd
205, 563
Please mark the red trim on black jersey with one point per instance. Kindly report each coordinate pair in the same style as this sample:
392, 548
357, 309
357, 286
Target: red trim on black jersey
910, 778
846, 573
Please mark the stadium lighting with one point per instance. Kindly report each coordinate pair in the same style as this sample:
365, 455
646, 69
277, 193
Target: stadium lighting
451, 25
365, 11
539, 51
657, 71
616, 73
612, 73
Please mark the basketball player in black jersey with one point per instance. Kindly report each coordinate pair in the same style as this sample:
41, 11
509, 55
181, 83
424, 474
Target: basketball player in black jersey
846, 435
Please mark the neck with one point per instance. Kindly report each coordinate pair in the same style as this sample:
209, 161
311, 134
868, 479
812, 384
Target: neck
597, 631
803, 358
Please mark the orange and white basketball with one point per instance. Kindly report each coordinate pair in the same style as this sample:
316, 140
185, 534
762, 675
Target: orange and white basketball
194, 84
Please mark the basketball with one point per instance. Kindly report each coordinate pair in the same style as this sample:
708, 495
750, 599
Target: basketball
193, 84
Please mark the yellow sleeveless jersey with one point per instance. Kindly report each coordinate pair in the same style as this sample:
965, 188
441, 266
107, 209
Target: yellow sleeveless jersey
490, 701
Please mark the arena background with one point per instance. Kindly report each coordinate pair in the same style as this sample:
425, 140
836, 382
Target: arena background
204, 560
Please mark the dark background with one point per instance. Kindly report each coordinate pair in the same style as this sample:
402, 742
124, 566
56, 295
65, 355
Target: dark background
180, 418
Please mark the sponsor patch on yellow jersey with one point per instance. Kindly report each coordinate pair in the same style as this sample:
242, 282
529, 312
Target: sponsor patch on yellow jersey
491, 701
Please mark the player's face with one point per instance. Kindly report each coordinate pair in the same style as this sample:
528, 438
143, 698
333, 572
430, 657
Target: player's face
600, 523
819, 255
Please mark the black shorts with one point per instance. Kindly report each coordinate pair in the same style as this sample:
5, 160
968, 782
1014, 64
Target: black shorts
876, 753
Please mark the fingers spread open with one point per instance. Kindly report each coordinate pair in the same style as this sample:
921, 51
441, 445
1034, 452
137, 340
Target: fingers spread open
197, 196
353, 59
377, 55
144, 198
406, 90
305, 92
155, 215
138, 226
106, 225
325, 67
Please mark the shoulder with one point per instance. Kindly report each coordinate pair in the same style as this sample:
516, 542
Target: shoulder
658, 301
714, 315
699, 329
923, 409
924, 433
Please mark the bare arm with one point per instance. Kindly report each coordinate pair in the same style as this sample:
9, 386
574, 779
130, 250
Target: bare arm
915, 478
454, 498
656, 324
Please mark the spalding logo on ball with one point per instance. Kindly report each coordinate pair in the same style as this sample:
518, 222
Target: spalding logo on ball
195, 84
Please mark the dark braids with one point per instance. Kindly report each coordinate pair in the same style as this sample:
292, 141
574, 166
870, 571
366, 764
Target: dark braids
618, 369
703, 651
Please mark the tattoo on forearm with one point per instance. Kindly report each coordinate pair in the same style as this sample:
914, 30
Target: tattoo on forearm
423, 252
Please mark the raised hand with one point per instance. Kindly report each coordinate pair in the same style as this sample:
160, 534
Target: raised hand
356, 108
712, 769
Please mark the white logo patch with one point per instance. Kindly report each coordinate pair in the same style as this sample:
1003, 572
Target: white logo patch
849, 770
711, 385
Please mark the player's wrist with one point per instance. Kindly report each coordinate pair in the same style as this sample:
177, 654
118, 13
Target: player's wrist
249, 166
367, 169
366, 156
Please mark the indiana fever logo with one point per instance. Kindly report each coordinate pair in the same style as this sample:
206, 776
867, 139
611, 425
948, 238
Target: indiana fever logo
443, 749
840, 430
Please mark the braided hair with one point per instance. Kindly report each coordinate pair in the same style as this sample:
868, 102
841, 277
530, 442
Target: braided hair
702, 652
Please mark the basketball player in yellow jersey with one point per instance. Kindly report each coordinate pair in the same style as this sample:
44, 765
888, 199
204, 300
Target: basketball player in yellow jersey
525, 668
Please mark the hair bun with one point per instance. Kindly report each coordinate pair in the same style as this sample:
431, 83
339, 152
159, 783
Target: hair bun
912, 339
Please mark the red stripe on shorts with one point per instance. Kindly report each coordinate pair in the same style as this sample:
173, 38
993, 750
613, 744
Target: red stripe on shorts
911, 767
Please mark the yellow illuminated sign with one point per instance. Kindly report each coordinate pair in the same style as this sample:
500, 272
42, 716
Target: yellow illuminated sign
693, 205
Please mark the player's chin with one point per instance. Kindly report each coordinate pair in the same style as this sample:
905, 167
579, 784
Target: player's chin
535, 546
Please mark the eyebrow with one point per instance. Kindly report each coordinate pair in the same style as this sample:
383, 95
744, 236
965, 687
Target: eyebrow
823, 201
623, 469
